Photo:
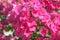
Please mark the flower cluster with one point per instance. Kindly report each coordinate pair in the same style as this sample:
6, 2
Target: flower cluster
29, 19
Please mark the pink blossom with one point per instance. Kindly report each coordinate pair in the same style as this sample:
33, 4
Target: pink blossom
43, 31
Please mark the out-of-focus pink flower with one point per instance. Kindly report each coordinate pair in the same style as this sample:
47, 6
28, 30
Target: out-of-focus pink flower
38, 38
43, 31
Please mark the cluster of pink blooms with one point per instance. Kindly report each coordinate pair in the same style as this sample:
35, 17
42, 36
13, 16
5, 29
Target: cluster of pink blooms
30, 19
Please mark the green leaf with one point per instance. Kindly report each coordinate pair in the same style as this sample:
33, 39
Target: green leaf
48, 35
19, 39
2, 17
59, 11
9, 27
17, 0
1, 31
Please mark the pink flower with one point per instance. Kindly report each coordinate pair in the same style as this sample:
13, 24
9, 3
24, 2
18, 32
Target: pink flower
38, 38
43, 31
